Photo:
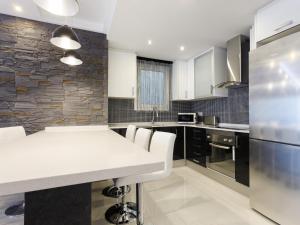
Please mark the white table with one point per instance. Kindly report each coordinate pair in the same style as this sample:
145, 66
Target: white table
48, 160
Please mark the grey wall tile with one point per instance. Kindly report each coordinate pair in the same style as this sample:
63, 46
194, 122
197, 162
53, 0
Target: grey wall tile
234, 109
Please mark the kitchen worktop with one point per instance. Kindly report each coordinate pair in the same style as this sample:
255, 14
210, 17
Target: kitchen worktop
243, 128
53, 159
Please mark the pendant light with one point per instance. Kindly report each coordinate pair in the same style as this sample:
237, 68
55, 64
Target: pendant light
71, 58
59, 7
64, 37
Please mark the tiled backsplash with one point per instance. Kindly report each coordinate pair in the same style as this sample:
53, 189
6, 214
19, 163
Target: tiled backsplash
234, 109
122, 110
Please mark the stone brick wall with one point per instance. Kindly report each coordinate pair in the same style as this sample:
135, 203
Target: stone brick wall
37, 90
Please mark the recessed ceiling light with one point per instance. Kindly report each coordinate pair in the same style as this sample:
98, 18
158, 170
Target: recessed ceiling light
182, 48
18, 8
149, 42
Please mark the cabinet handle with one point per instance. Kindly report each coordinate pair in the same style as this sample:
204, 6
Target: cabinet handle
132, 91
290, 22
219, 146
233, 153
196, 161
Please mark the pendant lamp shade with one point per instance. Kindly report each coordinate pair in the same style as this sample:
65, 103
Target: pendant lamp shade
71, 58
64, 37
59, 7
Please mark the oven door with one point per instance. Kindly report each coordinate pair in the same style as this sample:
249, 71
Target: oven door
221, 158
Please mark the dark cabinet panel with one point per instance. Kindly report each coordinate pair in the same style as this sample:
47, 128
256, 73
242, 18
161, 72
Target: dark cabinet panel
196, 145
179, 142
242, 159
121, 131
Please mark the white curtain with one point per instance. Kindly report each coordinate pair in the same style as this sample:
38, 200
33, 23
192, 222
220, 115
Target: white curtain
153, 86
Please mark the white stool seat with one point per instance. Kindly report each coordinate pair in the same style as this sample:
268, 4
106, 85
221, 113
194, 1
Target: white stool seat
162, 145
130, 132
142, 138
17, 204
8, 134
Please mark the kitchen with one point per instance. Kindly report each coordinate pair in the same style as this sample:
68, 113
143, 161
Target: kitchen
91, 83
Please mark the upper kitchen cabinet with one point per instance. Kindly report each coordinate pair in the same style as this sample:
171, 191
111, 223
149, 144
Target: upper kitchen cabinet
276, 17
122, 74
182, 81
209, 70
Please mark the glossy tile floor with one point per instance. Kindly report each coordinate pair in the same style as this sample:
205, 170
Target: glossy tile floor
186, 198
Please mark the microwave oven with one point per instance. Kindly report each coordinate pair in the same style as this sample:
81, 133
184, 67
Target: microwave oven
187, 118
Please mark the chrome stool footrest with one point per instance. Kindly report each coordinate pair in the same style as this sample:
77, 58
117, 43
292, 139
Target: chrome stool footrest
115, 192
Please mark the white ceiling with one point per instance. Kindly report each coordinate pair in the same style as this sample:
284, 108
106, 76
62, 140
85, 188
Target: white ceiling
196, 24
94, 15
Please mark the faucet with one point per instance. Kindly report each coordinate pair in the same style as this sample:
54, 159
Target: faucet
154, 110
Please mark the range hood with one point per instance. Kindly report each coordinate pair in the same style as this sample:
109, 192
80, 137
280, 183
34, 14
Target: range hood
237, 62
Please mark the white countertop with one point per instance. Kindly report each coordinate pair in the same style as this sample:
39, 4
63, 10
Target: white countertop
174, 124
53, 159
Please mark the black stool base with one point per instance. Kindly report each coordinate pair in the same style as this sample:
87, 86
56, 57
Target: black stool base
15, 210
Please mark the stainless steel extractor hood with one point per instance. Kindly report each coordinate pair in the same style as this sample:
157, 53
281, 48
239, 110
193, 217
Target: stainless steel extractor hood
237, 62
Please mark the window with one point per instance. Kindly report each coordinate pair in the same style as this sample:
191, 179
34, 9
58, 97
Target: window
153, 85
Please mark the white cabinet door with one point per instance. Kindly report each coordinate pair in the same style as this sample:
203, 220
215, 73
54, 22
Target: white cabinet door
190, 79
180, 80
122, 74
203, 75
276, 17
209, 70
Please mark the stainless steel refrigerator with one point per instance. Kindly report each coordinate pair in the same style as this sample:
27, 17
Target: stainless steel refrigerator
274, 86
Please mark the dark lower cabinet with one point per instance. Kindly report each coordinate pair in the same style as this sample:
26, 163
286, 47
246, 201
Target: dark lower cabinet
196, 145
69, 205
121, 131
179, 142
197, 148
242, 159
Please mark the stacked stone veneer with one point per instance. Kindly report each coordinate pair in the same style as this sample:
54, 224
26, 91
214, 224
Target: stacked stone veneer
37, 90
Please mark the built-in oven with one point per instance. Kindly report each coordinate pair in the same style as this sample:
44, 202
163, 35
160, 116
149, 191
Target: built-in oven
221, 152
187, 118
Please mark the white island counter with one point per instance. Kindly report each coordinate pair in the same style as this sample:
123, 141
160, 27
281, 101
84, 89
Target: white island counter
52, 159
56, 169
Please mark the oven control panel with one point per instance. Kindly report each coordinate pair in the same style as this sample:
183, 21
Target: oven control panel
227, 139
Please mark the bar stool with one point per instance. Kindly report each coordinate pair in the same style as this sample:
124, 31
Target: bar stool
162, 145
113, 191
130, 132
10, 134
142, 138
